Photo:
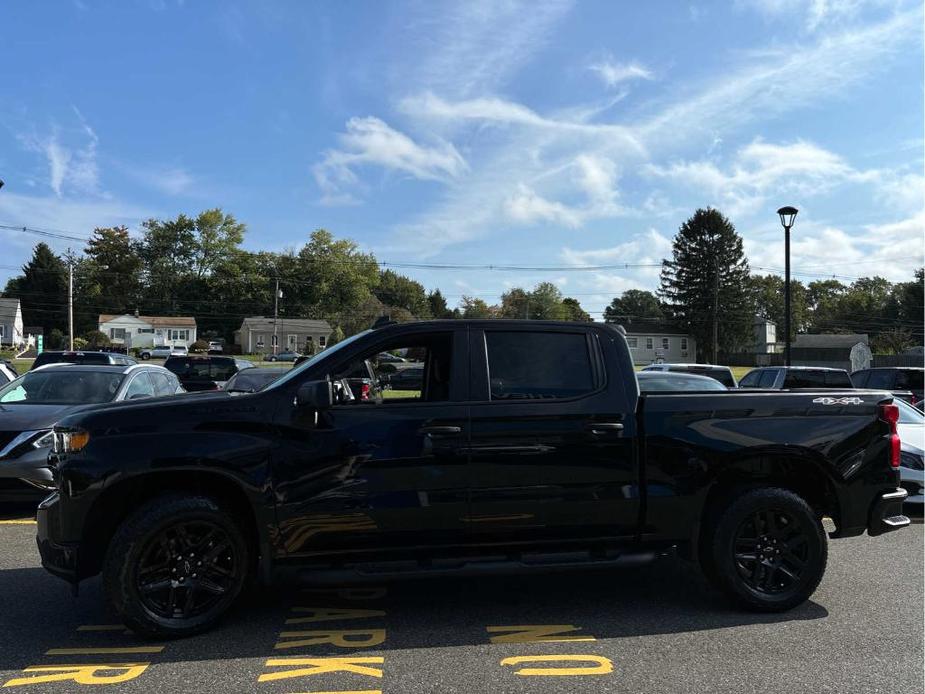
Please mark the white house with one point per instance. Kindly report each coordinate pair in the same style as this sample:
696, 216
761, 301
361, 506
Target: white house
148, 331
651, 342
11, 330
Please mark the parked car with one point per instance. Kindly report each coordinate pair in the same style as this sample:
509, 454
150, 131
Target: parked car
252, 380
83, 357
285, 355
7, 372
32, 403
675, 381
786, 377
536, 429
163, 351
216, 347
723, 374
894, 379
388, 358
406, 379
205, 372
911, 427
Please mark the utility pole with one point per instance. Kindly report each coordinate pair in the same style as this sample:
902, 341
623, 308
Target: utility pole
70, 299
275, 317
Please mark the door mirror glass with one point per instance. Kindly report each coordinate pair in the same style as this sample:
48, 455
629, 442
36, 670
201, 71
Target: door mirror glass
316, 394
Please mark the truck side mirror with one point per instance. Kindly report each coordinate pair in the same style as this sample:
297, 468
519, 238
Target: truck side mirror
315, 394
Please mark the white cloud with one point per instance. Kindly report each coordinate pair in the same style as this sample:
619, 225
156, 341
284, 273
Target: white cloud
466, 47
613, 73
781, 80
799, 168
528, 207
370, 141
71, 165
812, 13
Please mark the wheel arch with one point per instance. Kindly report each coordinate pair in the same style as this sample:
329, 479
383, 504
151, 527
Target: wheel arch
119, 500
800, 472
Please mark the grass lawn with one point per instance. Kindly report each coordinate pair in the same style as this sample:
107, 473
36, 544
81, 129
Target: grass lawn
401, 394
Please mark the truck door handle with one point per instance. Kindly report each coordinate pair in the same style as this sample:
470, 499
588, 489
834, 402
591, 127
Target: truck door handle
604, 427
439, 430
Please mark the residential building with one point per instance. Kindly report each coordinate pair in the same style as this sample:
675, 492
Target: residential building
255, 336
130, 330
11, 328
851, 352
652, 342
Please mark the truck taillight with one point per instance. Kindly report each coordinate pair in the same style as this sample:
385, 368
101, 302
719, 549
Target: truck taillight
890, 415
364, 391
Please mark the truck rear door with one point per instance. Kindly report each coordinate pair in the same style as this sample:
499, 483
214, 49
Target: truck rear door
551, 441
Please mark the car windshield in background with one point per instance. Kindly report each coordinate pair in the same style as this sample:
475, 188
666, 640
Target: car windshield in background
670, 381
61, 387
252, 380
198, 369
91, 358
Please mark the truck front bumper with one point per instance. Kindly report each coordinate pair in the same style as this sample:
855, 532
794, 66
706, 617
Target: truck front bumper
886, 513
58, 558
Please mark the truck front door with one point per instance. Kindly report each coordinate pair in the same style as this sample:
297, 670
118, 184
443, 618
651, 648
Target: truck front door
381, 474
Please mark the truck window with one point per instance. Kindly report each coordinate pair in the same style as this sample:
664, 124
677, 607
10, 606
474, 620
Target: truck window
528, 365
750, 380
767, 378
424, 375
804, 378
859, 378
907, 379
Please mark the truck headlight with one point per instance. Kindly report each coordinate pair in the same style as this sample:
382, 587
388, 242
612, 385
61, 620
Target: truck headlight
70, 441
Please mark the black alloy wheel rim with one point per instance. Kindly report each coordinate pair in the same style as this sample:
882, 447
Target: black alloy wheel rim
186, 569
771, 552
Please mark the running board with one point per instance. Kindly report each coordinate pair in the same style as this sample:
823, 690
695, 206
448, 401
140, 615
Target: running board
475, 566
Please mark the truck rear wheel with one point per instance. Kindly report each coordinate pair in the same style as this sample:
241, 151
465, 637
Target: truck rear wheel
766, 550
175, 566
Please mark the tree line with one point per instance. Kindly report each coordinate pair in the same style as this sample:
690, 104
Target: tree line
195, 266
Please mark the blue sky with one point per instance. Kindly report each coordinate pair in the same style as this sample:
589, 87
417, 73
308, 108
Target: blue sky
554, 135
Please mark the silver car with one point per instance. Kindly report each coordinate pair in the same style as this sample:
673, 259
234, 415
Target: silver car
32, 403
911, 429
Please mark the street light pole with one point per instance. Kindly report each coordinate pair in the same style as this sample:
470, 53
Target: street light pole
787, 216
275, 317
70, 300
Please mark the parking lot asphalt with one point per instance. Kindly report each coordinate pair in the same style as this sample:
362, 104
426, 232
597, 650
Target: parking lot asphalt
652, 629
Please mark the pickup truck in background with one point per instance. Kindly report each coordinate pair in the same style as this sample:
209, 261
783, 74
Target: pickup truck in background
528, 447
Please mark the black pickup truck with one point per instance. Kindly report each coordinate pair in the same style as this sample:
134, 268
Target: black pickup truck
528, 446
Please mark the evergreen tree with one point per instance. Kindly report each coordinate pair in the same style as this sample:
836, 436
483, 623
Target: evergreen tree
437, 304
706, 280
42, 290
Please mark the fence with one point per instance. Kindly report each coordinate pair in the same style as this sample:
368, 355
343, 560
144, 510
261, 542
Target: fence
897, 360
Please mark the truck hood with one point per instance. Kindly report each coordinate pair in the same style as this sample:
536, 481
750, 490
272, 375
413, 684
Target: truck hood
151, 409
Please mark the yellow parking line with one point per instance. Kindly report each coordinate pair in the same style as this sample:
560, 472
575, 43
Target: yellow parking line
18, 521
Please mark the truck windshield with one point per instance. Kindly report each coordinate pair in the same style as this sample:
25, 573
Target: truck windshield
323, 354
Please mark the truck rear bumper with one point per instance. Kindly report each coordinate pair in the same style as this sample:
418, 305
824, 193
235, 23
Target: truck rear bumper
886, 513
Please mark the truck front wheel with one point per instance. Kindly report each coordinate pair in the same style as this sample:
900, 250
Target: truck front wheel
766, 550
175, 566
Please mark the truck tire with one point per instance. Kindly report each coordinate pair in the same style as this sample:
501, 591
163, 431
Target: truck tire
175, 566
766, 550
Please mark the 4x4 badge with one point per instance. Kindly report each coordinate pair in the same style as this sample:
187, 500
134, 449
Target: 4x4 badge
839, 401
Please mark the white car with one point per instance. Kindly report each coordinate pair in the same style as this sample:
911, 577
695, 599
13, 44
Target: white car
163, 351
911, 429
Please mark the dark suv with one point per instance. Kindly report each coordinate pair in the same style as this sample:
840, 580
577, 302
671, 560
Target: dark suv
84, 358
206, 372
786, 377
893, 378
